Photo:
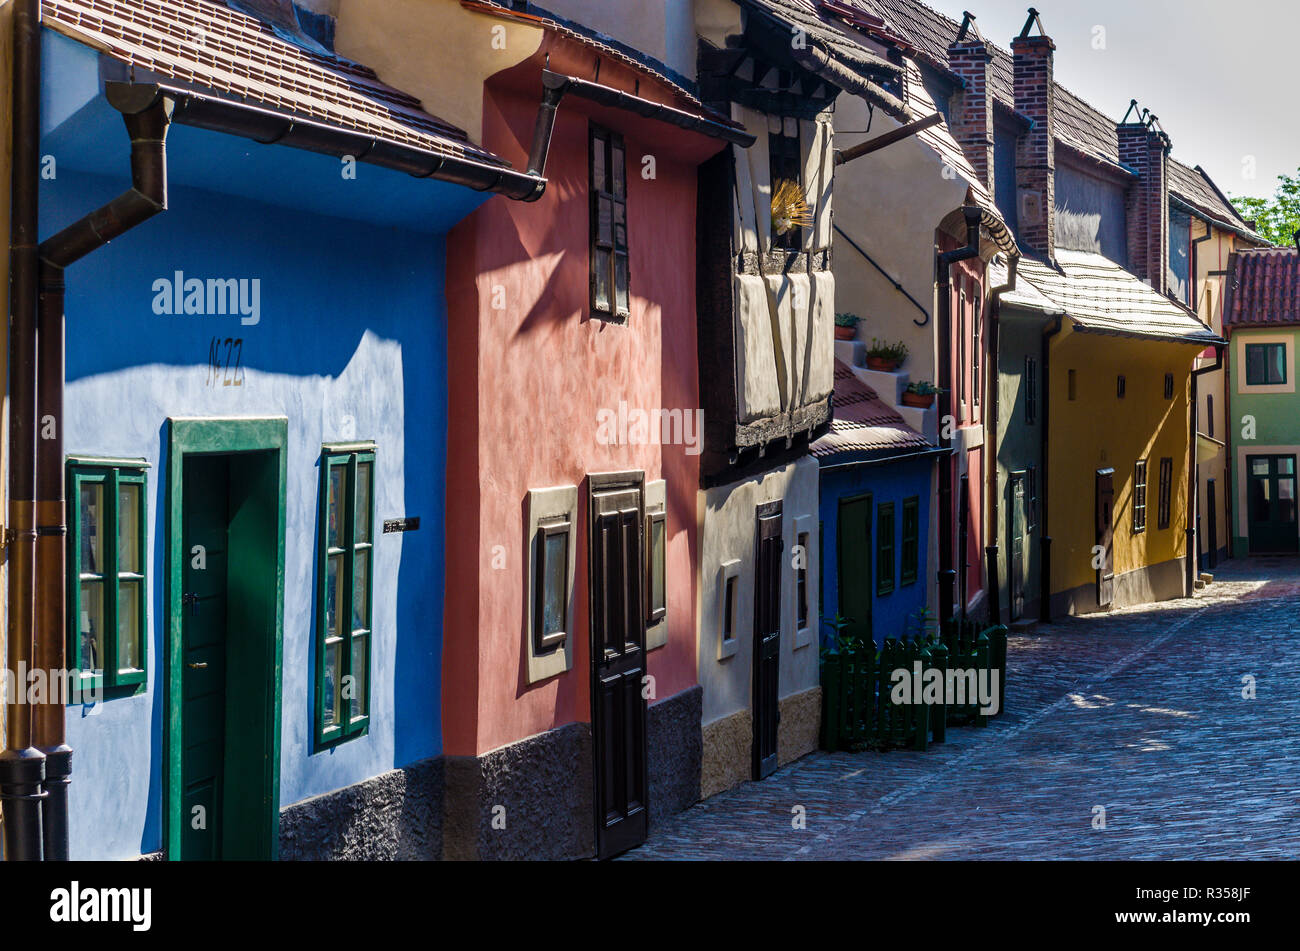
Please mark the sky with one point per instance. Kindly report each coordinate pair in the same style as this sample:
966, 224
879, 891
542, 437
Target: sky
1222, 75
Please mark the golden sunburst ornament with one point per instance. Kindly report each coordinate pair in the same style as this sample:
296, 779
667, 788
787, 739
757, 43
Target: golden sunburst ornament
789, 207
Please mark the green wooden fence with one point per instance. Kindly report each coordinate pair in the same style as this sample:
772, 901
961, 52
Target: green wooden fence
859, 706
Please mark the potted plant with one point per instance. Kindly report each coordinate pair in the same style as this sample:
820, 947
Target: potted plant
886, 356
846, 326
920, 394
840, 640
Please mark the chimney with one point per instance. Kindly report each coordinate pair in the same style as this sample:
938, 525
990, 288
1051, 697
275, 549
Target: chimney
1035, 93
1144, 147
972, 113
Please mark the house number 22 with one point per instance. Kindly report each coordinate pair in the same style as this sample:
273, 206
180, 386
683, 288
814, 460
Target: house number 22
224, 358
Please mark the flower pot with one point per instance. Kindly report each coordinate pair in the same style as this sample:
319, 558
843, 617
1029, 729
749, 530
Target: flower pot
881, 363
919, 400
845, 333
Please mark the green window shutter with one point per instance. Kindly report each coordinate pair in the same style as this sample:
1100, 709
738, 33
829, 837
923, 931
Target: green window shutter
344, 589
911, 540
107, 594
885, 549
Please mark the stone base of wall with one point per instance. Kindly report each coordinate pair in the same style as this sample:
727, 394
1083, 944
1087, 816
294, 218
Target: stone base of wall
1141, 586
728, 753
799, 729
396, 815
528, 800
674, 750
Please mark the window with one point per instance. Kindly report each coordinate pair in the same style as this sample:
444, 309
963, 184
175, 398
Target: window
1031, 500
1169, 386
1166, 487
106, 583
609, 258
1209, 414
1120, 386
345, 570
551, 605
1140, 496
1071, 391
801, 583
961, 352
656, 534
785, 161
1265, 364
911, 568
885, 548
976, 330
1031, 390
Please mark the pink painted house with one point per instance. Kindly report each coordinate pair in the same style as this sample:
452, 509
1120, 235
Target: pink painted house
571, 703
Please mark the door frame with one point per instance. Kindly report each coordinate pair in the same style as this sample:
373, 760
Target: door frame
765, 510
218, 436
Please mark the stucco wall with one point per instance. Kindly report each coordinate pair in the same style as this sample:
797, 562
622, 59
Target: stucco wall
1098, 430
350, 346
885, 483
663, 29
1089, 212
1269, 417
728, 523
530, 371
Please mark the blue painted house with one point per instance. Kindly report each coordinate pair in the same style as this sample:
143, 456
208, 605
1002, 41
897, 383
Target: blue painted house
255, 436
876, 510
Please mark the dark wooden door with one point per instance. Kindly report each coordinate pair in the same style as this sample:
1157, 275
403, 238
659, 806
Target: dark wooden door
1271, 504
618, 667
1212, 523
853, 552
1105, 537
1019, 529
767, 639
203, 679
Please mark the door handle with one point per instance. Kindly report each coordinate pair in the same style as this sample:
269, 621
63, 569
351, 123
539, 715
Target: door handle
199, 666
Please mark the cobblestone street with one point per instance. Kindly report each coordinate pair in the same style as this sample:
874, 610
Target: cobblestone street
1139, 711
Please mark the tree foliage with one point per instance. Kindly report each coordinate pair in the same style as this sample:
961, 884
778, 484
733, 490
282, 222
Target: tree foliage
1276, 218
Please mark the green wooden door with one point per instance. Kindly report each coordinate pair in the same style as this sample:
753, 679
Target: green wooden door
1271, 503
203, 677
854, 550
1019, 544
229, 581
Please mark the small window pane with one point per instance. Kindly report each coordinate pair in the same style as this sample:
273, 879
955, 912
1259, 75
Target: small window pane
363, 502
332, 686
729, 611
620, 282
333, 595
616, 164
605, 222
555, 582
602, 277
337, 506
657, 559
358, 686
90, 525
128, 625
92, 626
1286, 465
1259, 467
598, 165
360, 571
129, 510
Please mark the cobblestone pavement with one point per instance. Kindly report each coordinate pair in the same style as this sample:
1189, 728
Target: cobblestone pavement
1139, 711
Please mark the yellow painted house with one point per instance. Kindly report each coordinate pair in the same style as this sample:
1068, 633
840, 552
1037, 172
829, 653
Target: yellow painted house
1117, 379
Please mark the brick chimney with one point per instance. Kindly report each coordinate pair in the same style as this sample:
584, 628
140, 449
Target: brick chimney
1144, 147
972, 112
1035, 93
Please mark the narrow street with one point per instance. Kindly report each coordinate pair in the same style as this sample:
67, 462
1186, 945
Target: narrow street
1140, 712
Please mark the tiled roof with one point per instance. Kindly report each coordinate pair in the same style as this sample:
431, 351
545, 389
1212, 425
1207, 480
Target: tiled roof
1078, 124
206, 44
826, 32
863, 422
1264, 288
1193, 186
1102, 297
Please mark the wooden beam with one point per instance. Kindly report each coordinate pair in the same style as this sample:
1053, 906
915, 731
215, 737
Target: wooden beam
889, 138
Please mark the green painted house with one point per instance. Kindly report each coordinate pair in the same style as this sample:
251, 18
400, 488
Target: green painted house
1262, 322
